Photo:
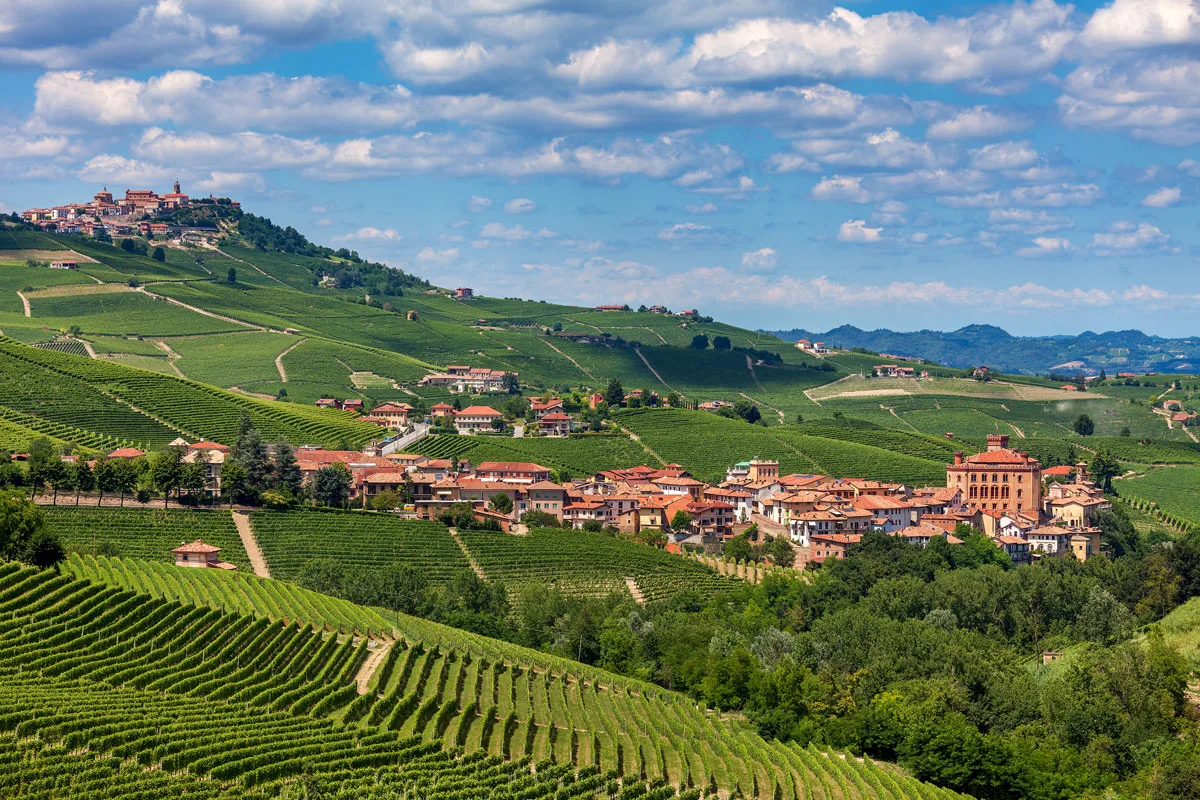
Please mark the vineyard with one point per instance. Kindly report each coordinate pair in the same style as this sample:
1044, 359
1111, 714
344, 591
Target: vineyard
291, 539
582, 563
117, 402
231, 591
577, 455
145, 533
109, 692
1170, 494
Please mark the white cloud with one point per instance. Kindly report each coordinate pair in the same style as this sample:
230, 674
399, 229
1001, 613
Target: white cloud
226, 182
369, 233
890, 212
1151, 98
1142, 23
430, 256
109, 168
996, 45
1057, 195
1004, 155
477, 203
1166, 196
681, 230
764, 259
979, 122
497, 231
519, 205
1023, 220
246, 149
704, 208
1046, 246
888, 149
842, 189
1123, 238
856, 230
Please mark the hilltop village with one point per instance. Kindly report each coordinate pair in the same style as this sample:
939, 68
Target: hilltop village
137, 212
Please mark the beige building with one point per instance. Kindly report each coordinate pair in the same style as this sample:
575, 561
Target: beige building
199, 554
998, 479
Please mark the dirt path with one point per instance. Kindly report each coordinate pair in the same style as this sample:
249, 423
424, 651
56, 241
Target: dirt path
199, 310
638, 597
653, 371
246, 532
279, 360
585, 324
25, 302
259, 395
824, 386
892, 411
172, 356
643, 445
753, 374
251, 266
578, 366
1020, 433
87, 347
369, 667
470, 556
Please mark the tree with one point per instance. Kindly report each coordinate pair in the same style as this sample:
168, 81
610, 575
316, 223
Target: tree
387, 500
20, 521
102, 476
781, 552
721, 343
699, 342
738, 548
123, 477
235, 483
38, 466
747, 410
332, 485
681, 521
1104, 619
1104, 468
1084, 425
58, 475
159, 254
614, 395
231, 275
166, 472
288, 477
251, 453
501, 502
84, 479
43, 550
193, 478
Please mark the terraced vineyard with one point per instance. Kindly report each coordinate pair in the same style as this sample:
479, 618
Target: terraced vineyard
58, 626
582, 563
231, 591
1174, 491
144, 533
290, 539
578, 455
116, 401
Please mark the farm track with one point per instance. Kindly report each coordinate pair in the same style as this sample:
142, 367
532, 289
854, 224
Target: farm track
638, 597
754, 375
241, 521
567, 357
653, 371
279, 361
25, 302
254, 267
199, 310
764, 405
371, 665
634, 437
172, 357
470, 556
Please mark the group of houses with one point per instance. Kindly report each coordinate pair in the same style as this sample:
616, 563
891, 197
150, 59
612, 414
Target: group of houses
118, 216
476, 380
897, 371
549, 416
812, 348
1001, 492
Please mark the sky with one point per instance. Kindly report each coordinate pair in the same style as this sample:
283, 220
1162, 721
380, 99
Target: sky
1033, 165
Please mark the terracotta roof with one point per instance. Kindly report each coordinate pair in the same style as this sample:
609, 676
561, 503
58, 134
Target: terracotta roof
386, 407
478, 411
196, 547
1063, 470
555, 416
1003, 456
510, 466
387, 477
126, 452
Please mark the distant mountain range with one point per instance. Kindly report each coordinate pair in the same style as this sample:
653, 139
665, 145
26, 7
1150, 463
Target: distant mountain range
975, 345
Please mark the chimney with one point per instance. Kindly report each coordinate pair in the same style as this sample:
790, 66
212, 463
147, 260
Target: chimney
996, 441
958, 457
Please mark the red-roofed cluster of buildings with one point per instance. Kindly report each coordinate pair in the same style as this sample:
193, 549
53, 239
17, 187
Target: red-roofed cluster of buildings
118, 215
461, 378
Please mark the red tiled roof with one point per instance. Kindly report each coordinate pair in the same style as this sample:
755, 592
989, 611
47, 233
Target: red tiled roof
478, 411
1063, 470
510, 466
196, 547
1003, 456
126, 452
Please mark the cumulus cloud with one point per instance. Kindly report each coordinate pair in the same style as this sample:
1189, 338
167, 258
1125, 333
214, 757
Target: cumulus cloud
428, 255
1152, 98
499, 232
1129, 24
887, 149
1125, 238
842, 189
369, 234
1004, 155
478, 204
856, 231
109, 168
764, 259
1166, 196
708, 207
519, 205
979, 122
1023, 220
1046, 246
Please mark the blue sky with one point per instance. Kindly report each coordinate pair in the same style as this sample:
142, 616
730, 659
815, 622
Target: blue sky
1033, 165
